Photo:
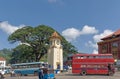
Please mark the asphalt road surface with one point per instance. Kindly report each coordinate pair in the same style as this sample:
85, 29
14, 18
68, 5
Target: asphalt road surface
69, 75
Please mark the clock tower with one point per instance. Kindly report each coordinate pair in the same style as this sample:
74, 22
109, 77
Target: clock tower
55, 52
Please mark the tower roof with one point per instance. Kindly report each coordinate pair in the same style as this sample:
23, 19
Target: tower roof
55, 35
116, 33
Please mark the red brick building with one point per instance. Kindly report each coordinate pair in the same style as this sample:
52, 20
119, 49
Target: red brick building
110, 44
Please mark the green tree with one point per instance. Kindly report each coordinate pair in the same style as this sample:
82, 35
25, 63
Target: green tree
37, 40
22, 53
6, 53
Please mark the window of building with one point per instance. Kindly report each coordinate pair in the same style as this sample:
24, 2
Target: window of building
104, 47
115, 44
115, 54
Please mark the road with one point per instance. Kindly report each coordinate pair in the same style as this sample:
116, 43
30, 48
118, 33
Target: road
69, 75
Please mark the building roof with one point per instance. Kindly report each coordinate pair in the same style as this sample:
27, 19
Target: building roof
2, 59
116, 33
55, 35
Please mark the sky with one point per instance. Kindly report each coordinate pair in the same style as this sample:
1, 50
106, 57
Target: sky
82, 22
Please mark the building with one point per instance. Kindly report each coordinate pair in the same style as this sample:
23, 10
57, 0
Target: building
2, 62
55, 52
110, 44
68, 60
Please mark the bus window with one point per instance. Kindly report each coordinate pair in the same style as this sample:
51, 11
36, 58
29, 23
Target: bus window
83, 57
91, 57
97, 56
83, 66
77, 57
109, 57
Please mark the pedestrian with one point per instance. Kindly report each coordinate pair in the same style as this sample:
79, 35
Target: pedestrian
12, 73
40, 74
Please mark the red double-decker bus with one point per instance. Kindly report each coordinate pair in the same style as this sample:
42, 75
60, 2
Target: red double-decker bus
93, 64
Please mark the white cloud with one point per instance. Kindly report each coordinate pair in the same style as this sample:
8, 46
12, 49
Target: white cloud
89, 30
72, 33
99, 36
95, 52
8, 28
92, 44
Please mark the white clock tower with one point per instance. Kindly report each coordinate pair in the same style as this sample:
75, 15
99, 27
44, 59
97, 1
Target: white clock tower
55, 52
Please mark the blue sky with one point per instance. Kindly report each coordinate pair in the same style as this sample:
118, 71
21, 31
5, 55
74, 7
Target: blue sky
81, 22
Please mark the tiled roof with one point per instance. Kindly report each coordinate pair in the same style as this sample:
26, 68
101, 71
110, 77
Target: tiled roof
55, 35
2, 59
116, 33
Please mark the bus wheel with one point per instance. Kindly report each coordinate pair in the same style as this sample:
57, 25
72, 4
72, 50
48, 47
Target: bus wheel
35, 73
83, 73
110, 73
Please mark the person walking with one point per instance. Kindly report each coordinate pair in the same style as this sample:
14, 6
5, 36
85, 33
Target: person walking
40, 74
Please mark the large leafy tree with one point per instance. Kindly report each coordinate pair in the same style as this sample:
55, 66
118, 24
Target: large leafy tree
34, 43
